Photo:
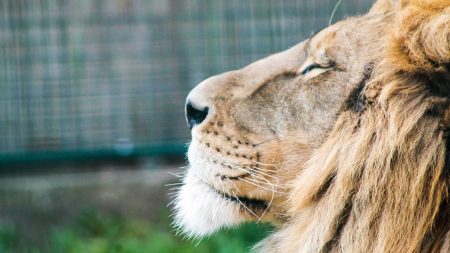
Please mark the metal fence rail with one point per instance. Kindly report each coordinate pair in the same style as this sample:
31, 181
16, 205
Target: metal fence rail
102, 76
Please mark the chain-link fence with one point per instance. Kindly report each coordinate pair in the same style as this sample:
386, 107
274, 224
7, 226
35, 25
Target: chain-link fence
100, 76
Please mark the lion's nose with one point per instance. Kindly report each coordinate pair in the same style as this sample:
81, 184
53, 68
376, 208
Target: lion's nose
194, 115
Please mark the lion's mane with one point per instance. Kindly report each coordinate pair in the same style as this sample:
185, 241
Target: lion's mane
380, 183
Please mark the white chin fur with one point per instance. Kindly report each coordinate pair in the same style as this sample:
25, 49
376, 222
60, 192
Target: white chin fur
200, 211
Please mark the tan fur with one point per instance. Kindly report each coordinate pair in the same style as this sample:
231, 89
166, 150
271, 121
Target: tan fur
339, 175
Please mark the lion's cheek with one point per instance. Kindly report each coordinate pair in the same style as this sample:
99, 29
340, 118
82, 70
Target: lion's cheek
200, 211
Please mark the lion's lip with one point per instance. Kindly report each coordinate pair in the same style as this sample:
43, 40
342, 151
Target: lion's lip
253, 204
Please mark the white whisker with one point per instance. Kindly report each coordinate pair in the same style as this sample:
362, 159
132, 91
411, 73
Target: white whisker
270, 203
248, 209
245, 166
266, 182
174, 184
180, 175
334, 11
257, 170
251, 172
263, 169
257, 184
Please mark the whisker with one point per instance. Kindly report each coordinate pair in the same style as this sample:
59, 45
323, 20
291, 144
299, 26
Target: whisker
258, 185
253, 175
174, 184
262, 169
248, 209
248, 166
176, 174
240, 202
257, 144
252, 172
262, 185
270, 203
267, 164
171, 194
174, 189
267, 182
253, 164
256, 170
334, 11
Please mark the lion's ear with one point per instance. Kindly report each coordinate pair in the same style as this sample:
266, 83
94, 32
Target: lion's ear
420, 38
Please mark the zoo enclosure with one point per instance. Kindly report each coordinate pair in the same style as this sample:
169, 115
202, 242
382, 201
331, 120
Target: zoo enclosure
109, 77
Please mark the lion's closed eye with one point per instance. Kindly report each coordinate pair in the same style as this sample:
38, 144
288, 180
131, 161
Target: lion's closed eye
312, 69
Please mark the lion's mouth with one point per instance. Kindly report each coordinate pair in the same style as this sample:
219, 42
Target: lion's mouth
244, 202
253, 204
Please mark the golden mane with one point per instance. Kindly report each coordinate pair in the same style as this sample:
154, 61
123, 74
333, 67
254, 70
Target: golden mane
380, 183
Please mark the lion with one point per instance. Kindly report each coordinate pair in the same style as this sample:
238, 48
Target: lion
341, 141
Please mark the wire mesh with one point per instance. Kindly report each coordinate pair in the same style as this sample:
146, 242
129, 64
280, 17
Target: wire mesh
93, 75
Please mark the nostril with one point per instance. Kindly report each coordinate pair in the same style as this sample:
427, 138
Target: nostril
195, 116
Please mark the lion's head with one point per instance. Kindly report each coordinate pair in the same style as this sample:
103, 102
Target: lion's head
340, 139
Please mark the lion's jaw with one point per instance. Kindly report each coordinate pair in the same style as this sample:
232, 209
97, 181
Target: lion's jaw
200, 210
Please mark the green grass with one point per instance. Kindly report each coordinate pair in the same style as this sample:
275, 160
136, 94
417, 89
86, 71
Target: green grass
97, 232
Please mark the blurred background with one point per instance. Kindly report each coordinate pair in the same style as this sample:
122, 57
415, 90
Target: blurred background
91, 112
